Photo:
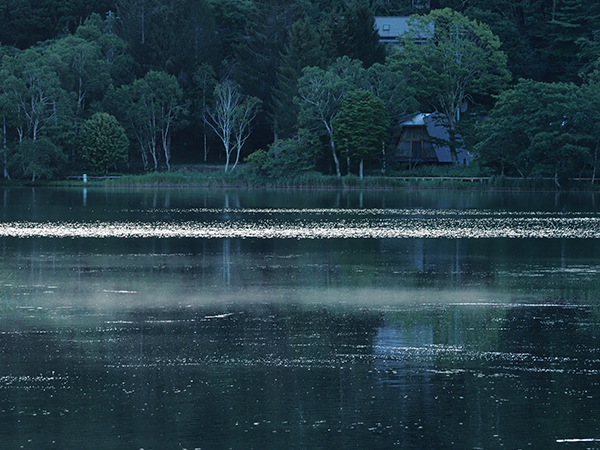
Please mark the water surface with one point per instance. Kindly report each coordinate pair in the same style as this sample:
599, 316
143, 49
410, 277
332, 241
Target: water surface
278, 319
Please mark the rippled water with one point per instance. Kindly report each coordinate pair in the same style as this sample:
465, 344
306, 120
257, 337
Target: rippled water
201, 319
326, 224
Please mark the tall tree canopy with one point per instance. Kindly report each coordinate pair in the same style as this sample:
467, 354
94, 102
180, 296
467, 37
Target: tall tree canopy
27, 22
349, 30
362, 127
304, 49
154, 65
173, 36
541, 129
150, 106
450, 60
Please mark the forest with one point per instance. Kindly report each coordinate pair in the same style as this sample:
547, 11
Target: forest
293, 86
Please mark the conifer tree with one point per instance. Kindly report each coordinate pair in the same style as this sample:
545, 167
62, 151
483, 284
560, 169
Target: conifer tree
361, 127
303, 50
258, 57
350, 31
572, 27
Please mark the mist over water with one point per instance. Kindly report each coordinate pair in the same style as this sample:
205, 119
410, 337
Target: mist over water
239, 319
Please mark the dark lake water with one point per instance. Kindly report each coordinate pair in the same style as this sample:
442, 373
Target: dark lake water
198, 319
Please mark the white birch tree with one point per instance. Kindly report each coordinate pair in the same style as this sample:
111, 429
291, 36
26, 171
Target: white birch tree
153, 104
320, 95
230, 119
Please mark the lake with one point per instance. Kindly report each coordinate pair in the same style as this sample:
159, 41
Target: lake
224, 319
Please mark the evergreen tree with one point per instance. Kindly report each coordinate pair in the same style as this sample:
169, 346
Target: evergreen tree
231, 21
361, 127
573, 25
28, 22
201, 100
258, 57
173, 36
350, 31
303, 50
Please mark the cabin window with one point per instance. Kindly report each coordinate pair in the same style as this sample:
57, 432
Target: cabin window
411, 142
386, 27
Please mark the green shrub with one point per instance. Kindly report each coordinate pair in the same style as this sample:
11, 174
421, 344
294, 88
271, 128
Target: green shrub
103, 143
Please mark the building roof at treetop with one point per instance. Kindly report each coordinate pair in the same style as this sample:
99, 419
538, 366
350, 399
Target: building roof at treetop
390, 28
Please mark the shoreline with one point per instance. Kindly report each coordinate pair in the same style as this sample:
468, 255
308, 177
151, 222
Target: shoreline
240, 180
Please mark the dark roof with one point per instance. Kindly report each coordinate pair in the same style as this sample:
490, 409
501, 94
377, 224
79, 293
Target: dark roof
432, 122
390, 28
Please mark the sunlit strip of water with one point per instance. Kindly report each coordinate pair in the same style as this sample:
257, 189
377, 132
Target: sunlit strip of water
409, 212
453, 228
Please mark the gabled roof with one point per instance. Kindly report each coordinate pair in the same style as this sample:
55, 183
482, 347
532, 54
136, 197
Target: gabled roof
391, 27
432, 122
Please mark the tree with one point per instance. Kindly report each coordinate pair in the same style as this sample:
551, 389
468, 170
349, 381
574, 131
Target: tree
304, 49
320, 95
103, 142
350, 31
4, 111
204, 85
114, 52
231, 18
80, 67
230, 118
392, 88
39, 158
572, 29
399, 7
361, 127
540, 129
449, 60
590, 106
173, 36
28, 22
34, 106
84, 74
150, 106
285, 158
32, 91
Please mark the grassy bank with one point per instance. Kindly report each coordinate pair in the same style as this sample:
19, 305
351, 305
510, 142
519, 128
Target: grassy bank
424, 178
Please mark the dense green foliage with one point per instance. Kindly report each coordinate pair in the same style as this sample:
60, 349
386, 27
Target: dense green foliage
521, 75
103, 142
459, 59
361, 127
543, 129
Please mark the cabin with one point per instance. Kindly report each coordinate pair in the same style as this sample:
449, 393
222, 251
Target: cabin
423, 139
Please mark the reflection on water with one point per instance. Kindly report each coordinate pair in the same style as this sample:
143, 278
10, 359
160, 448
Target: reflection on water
241, 340
297, 377
326, 224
